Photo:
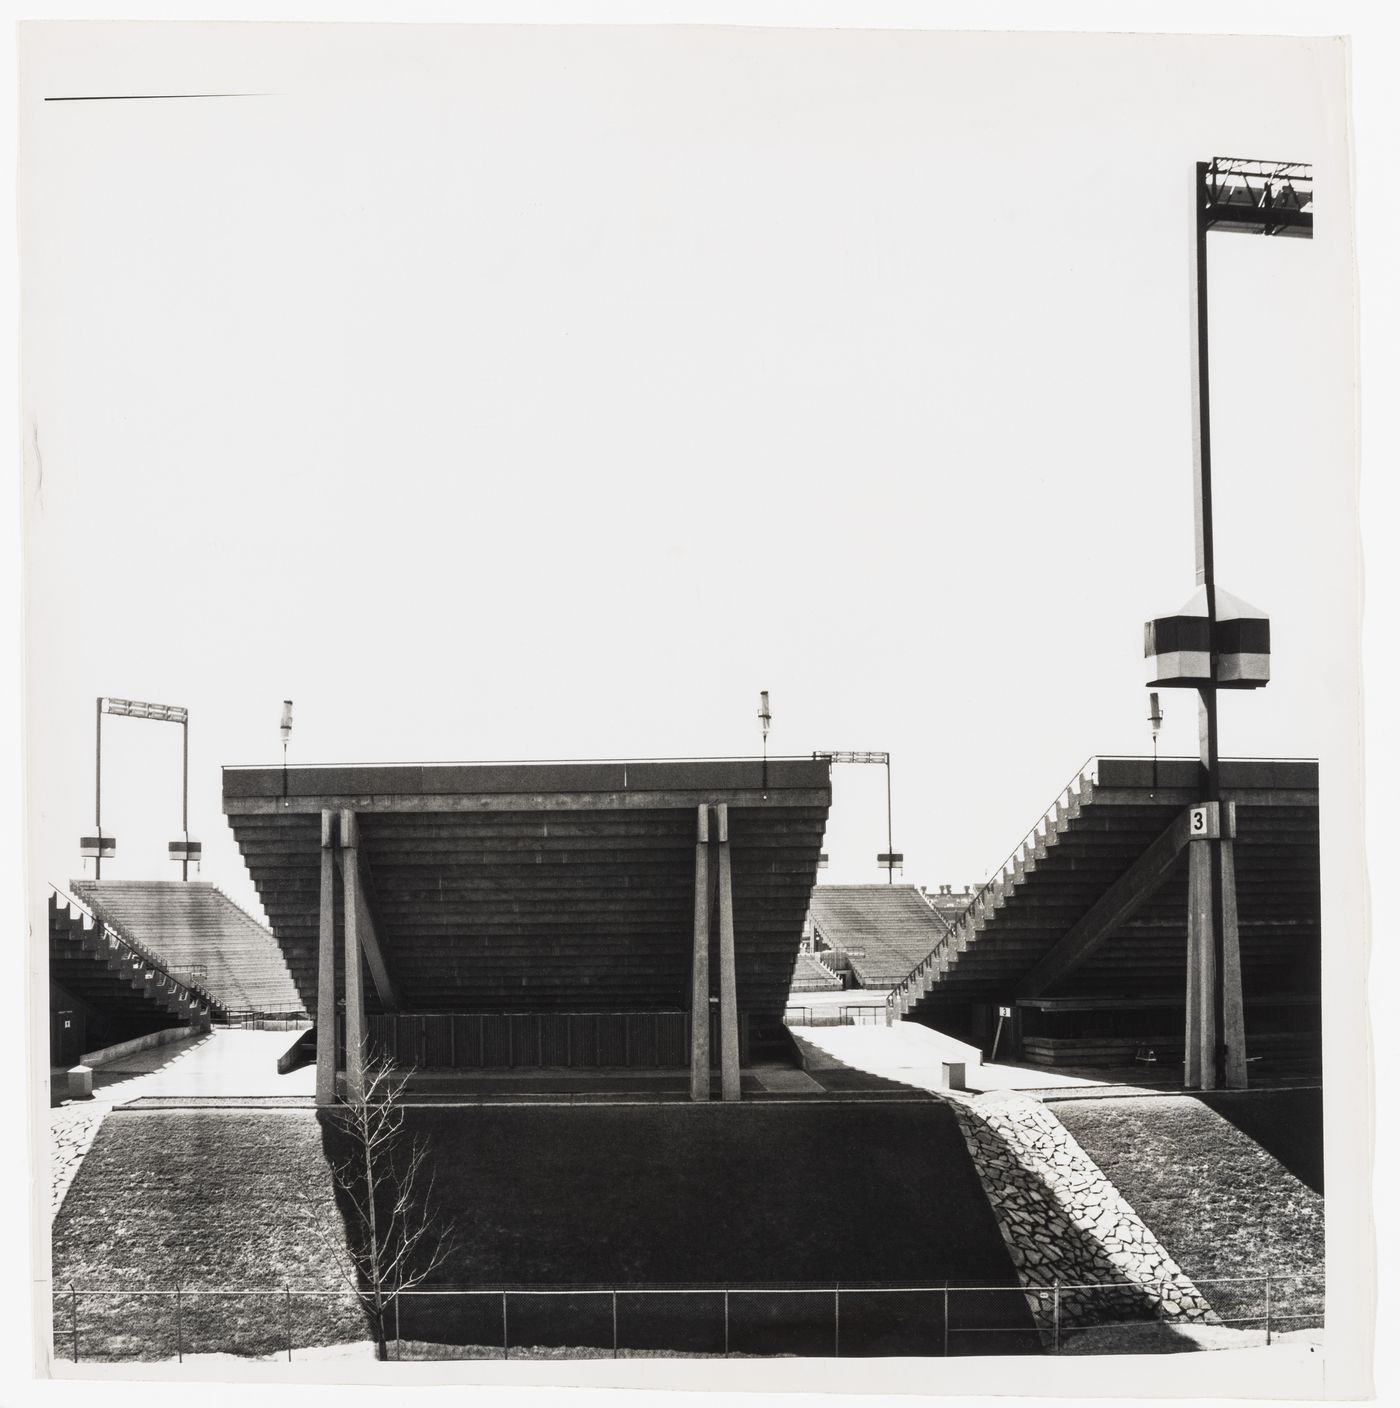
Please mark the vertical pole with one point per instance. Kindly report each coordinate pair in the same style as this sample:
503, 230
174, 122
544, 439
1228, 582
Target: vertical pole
889, 821
728, 982
288, 1288
354, 986
945, 1319
327, 1057
398, 1327
1057, 1315
1191, 1075
1231, 981
700, 963
726, 1329
505, 1327
1214, 937
97, 864
185, 793
1200, 389
179, 1327
1268, 1312
1200, 992
73, 1309
836, 1351
614, 1310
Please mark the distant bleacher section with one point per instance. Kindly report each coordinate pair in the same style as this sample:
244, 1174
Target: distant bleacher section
106, 988
878, 932
200, 934
812, 975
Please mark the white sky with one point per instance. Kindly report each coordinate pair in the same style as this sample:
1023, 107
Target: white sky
548, 394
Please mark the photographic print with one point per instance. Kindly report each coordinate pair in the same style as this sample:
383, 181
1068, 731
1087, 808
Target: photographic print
692, 697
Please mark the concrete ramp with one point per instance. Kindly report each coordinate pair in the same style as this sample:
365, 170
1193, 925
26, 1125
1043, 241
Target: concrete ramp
905, 1052
913, 1054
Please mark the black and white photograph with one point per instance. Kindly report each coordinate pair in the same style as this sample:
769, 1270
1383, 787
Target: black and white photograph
692, 708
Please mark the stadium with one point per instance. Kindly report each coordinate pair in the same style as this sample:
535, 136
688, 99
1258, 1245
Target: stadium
563, 957
532, 997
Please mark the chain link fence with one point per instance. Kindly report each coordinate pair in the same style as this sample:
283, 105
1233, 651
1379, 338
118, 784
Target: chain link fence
106, 1325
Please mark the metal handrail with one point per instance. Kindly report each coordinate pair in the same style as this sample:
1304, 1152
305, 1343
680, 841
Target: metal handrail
114, 931
968, 913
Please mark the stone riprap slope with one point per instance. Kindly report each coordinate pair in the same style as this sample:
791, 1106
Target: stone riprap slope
1064, 1222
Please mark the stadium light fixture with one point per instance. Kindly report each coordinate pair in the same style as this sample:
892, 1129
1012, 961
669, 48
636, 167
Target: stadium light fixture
100, 847
888, 859
1215, 641
286, 729
765, 719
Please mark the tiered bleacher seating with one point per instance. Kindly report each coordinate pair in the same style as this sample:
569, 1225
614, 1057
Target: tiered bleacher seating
565, 887
883, 930
125, 988
812, 975
1098, 828
199, 933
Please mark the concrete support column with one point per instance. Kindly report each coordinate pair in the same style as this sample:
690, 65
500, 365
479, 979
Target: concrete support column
354, 981
1236, 1053
326, 1053
1200, 969
728, 986
700, 963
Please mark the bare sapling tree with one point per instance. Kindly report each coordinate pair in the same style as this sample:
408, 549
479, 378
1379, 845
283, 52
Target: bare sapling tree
393, 1238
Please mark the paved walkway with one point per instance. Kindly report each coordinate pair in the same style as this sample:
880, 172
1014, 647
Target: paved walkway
914, 1054
223, 1063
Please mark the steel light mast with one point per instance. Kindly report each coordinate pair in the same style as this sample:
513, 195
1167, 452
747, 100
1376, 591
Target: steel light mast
1215, 641
889, 860
185, 850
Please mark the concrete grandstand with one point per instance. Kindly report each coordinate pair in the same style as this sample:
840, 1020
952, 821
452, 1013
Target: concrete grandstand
107, 988
1082, 936
538, 914
877, 933
198, 931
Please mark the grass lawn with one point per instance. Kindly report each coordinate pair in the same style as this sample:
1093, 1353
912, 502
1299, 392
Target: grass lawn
612, 1196
1218, 1199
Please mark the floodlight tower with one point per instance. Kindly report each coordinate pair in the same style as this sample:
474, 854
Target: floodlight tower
185, 850
1215, 641
890, 860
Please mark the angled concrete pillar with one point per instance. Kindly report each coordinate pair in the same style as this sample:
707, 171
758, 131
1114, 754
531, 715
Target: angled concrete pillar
354, 982
728, 986
700, 963
326, 1053
1236, 1053
1200, 969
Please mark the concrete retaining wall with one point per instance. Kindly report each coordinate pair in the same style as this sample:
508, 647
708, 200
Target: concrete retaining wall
109, 1054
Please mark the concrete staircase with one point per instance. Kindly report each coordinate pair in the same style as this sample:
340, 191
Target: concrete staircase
114, 975
812, 975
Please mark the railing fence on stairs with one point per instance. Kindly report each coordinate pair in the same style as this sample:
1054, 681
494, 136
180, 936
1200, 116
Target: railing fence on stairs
1085, 772
185, 990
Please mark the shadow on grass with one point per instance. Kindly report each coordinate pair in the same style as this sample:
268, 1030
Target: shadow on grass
1285, 1123
586, 1214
